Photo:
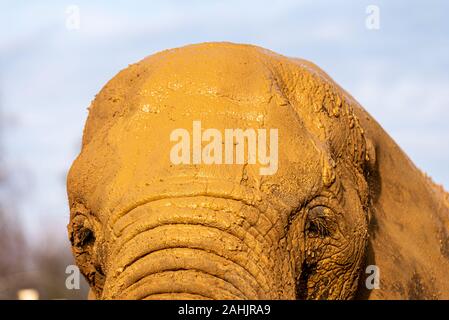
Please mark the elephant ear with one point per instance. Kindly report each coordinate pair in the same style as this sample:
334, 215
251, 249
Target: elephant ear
409, 231
409, 214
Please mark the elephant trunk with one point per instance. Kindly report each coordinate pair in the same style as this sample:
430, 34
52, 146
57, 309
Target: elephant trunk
197, 247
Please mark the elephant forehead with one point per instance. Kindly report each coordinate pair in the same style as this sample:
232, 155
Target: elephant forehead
197, 76
238, 73
135, 158
224, 86
154, 135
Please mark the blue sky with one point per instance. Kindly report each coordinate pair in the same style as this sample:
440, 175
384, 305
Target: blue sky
49, 73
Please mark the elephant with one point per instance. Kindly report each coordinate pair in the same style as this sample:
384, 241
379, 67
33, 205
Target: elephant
344, 198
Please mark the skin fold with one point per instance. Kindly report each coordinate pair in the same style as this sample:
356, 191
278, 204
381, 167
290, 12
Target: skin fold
344, 195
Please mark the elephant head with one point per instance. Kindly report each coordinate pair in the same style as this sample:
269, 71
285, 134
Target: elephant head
144, 227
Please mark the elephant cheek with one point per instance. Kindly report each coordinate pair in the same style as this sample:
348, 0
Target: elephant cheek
193, 248
335, 277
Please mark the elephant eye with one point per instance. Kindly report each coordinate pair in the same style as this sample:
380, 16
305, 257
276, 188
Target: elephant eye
82, 236
318, 223
85, 236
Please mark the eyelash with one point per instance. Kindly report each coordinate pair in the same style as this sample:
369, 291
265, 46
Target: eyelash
318, 223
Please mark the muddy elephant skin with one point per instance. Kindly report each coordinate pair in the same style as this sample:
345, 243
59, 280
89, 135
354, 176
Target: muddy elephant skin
343, 195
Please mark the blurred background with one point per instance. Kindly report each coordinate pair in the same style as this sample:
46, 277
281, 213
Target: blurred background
392, 56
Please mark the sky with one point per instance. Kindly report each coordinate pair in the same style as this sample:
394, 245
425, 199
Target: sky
52, 65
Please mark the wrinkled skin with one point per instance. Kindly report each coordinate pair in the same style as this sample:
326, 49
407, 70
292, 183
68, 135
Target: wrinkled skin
143, 228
